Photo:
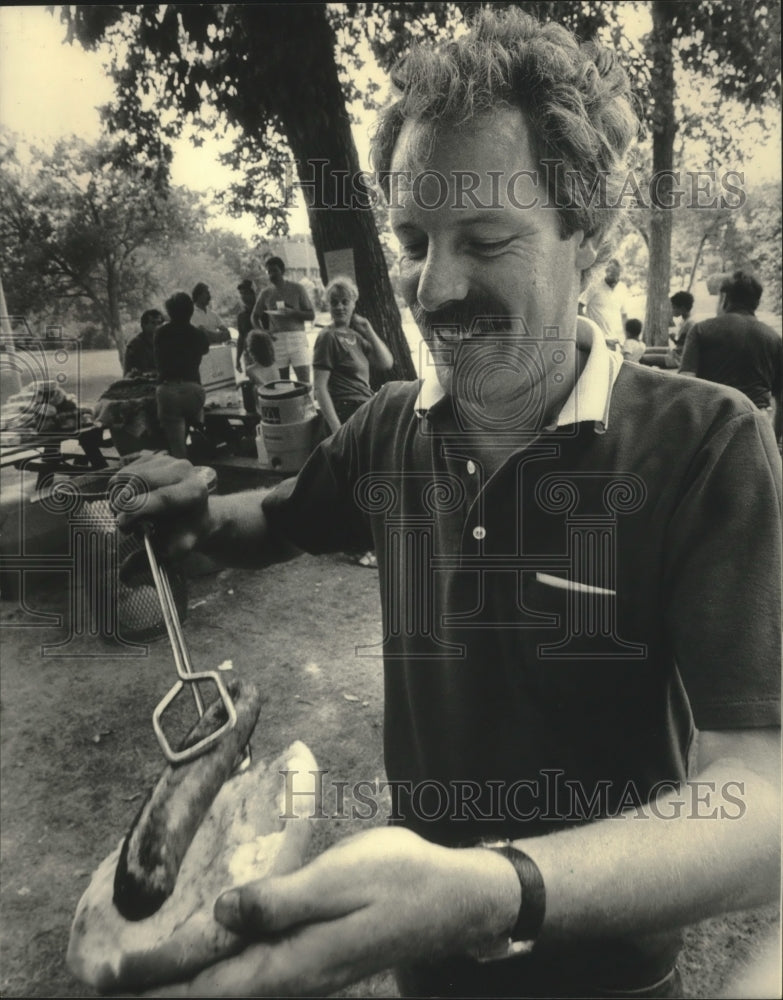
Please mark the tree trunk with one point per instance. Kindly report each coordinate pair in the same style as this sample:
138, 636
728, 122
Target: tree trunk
113, 323
696, 259
313, 115
659, 46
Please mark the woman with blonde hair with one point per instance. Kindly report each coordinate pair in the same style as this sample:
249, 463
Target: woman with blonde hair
342, 356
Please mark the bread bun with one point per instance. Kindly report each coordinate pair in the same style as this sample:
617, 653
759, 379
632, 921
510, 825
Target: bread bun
242, 837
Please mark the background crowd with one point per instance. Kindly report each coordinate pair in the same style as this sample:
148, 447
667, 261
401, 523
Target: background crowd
272, 344
733, 348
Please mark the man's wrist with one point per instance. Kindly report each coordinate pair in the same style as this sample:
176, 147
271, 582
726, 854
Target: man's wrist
212, 537
522, 935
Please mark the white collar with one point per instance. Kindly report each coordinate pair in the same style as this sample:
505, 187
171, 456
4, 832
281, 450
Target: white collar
591, 395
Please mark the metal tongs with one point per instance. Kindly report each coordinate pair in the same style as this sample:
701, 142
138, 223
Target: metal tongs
184, 671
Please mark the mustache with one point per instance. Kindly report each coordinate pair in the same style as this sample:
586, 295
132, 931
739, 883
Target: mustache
474, 315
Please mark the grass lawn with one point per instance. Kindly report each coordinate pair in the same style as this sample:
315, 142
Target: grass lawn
84, 373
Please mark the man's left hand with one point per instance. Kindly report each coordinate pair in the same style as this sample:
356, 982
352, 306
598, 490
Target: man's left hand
380, 899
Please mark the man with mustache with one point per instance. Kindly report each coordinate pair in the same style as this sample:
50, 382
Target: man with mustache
577, 567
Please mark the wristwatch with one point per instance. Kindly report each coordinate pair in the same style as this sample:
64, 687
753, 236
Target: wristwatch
522, 936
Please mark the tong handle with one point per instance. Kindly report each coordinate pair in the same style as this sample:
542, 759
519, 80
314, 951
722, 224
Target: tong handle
171, 620
185, 672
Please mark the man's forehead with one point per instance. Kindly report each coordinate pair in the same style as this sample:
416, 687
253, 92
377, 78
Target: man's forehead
495, 134
485, 164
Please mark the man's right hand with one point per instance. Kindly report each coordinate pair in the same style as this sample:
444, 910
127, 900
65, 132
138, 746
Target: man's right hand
173, 497
168, 493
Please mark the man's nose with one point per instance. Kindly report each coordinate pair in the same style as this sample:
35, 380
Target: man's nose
442, 279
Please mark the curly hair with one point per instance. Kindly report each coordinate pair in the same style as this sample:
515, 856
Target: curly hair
633, 328
682, 300
576, 98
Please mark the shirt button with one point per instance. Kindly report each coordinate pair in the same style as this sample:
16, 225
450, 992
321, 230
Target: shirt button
479, 532
471, 468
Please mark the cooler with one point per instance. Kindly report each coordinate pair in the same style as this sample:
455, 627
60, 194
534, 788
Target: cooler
284, 402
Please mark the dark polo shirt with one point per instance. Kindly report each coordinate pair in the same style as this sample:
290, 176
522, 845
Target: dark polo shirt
739, 350
552, 634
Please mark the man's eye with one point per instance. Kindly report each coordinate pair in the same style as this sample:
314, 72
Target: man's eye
414, 251
489, 246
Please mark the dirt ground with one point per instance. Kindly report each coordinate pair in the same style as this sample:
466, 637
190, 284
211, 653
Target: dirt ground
78, 749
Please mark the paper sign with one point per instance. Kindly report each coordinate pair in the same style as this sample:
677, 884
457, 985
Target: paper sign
339, 263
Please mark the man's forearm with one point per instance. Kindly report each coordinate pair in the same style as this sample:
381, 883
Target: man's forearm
239, 534
704, 849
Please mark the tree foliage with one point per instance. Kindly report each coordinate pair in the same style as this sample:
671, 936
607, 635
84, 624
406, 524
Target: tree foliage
736, 46
87, 243
73, 230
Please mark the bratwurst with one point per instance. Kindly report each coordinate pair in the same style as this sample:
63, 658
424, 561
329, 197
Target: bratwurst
165, 825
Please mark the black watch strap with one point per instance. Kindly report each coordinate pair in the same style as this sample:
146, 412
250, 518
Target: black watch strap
533, 906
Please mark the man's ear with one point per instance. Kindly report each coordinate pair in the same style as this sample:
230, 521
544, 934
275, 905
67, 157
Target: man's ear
586, 250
